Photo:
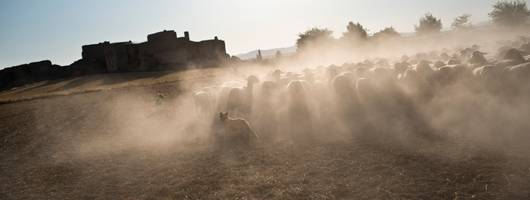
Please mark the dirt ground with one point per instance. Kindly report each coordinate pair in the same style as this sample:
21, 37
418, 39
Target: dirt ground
114, 144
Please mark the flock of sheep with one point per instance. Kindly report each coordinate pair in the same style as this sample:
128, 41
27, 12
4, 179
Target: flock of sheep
378, 96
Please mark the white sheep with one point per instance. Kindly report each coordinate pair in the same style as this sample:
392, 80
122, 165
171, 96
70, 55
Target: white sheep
240, 99
159, 101
202, 102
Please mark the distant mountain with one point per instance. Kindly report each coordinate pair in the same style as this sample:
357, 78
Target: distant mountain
266, 53
485, 23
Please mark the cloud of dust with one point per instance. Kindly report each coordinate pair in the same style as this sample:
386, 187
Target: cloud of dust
330, 93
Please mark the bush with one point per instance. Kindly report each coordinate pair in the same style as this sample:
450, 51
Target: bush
428, 25
314, 37
462, 23
509, 14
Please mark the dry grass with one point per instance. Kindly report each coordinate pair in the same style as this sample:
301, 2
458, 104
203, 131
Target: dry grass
76, 85
115, 145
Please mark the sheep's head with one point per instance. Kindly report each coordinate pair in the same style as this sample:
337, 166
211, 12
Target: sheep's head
424, 69
332, 71
353, 78
295, 89
411, 77
268, 86
477, 57
252, 79
224, 116
341, 84
514, 54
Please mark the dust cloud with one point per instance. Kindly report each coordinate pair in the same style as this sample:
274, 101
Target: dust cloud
380, 90
402, 106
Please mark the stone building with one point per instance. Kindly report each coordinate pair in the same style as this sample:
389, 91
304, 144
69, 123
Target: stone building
162, 51
29, 73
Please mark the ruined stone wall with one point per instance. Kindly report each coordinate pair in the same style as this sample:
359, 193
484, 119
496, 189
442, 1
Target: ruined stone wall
165, 51
212, 49
28, 73
162, 48
110, 59
193, 50
164, 35
122, 59
96, 51
133, 56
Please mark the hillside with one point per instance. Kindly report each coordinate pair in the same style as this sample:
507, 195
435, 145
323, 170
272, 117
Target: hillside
114, 144
267, 53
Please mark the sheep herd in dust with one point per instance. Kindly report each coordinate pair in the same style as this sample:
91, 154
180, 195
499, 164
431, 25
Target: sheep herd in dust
381, 97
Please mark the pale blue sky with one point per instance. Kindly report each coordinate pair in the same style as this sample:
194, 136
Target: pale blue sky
34, 30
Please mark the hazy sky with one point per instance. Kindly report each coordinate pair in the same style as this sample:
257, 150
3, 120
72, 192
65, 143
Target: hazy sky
34, 30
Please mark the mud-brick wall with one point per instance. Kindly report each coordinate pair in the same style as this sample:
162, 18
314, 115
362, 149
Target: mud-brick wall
96, 51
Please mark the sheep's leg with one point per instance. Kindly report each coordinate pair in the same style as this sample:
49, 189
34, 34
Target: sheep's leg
245, 136
204, 113
197, 111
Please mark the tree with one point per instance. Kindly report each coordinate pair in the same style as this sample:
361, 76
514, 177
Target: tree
387, 32
428, 25
462, 23
314, 37
278, 54
510, 14
355, 31
258, 56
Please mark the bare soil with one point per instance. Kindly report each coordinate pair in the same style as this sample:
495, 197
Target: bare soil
114, 144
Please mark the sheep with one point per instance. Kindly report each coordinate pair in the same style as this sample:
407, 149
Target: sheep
159, 101
351, 76
210, 92
524, 48
433, 56
501, 52
464, 54
422, 56
424, 69
365, 90
399, 68
276, 75
488, 77
298, 113
511, 58
477, 57
516, 80
383, 63
343, 89
331, 72
445, 56
222, 98
514, 54
454, 61
202, 102
417, 86
379, 72
438, 64
240, 99
266, 112
444, 76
